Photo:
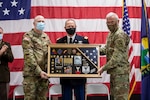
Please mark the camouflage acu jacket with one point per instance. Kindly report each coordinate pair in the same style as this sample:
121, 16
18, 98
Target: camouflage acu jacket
35, 49
116, 50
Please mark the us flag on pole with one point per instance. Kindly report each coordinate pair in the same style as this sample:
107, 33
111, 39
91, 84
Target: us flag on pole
126, 21
126, 27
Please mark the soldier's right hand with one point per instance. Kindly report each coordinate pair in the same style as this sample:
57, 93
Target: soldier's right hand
43, 75
3, 49
100, 70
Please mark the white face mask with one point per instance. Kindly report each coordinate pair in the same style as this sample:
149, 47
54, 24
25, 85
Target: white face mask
40, 26
1, 36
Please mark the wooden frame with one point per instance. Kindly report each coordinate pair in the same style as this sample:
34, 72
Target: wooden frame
73, 60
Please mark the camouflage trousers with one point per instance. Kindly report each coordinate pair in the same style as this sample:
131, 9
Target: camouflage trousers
35, 88
119, 86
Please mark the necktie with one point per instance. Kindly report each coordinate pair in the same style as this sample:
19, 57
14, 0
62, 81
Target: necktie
70, 40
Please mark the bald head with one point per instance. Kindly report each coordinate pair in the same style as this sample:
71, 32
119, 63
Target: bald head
112, 15
39, 18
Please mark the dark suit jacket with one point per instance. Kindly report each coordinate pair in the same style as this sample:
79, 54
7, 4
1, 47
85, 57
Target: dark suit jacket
76, 80
4, 59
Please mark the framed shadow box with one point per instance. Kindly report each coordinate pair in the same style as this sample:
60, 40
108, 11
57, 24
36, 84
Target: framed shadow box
73, 60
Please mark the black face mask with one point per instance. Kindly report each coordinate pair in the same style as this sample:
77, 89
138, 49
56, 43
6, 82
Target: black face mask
71, 31
112, 28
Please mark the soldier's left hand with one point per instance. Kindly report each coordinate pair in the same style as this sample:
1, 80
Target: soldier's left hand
4, 48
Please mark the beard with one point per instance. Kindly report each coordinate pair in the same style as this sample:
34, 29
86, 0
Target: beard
112, 28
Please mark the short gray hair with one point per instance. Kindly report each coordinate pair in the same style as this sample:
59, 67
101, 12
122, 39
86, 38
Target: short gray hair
112, 14
70, 20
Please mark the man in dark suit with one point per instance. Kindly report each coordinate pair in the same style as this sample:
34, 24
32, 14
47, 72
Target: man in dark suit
5, 57
78, 84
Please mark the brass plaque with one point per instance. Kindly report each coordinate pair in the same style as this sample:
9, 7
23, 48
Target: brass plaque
73, 60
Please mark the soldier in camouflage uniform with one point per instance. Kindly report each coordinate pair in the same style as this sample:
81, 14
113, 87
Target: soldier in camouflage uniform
116, 51
35, 47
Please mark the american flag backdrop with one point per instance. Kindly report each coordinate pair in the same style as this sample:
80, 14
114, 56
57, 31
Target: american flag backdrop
126, 27
16, 17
